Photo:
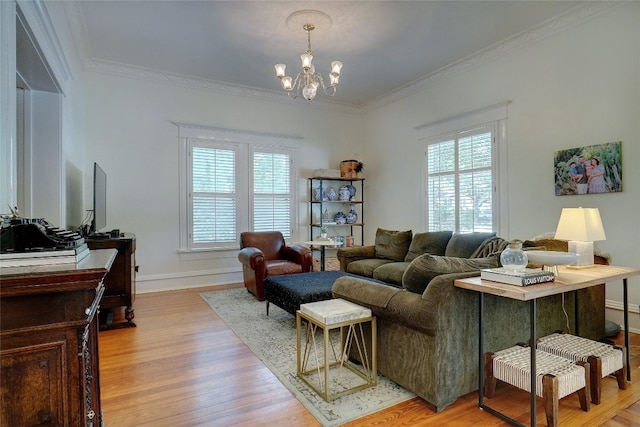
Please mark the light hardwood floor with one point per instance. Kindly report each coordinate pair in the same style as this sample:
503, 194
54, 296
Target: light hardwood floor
182, 366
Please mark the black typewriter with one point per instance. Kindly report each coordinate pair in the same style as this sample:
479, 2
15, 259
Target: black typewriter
20, 235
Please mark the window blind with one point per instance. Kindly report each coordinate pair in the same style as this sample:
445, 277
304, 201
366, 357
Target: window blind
459, 182
272, 192
213, 196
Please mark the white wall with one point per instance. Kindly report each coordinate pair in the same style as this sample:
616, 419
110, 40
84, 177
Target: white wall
576, 88
130, 134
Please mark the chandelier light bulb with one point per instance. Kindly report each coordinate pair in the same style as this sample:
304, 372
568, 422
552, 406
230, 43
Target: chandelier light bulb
280, 70
287, 83
334, 79
336, 66
306, 59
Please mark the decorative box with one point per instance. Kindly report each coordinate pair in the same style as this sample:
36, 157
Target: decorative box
326, 173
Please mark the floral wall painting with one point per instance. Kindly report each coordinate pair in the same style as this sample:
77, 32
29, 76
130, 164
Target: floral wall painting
588, 170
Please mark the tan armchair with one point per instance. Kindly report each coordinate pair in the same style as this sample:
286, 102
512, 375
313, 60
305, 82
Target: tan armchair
265, 254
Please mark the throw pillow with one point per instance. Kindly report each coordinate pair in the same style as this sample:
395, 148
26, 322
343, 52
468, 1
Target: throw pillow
432, 242
392, 245
549, 244
490, 246
462, 245
425, 267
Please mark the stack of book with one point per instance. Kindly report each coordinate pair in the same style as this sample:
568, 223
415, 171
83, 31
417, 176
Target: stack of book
30, 258
529, 276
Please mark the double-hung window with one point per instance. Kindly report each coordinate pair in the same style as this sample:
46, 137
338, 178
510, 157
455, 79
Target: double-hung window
459, 181
234, 186
271, 190
462, 176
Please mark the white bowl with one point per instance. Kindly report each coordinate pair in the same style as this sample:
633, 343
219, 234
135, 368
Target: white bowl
551, 257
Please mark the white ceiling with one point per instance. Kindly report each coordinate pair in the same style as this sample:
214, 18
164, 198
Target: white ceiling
384, 45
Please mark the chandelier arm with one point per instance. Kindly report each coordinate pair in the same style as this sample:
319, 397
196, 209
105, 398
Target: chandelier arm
297, 86
328, 90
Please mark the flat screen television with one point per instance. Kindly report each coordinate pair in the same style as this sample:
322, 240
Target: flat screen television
99, 220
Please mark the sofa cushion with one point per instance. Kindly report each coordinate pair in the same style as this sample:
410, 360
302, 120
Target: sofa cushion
462, 245
392, 245
391, 273
365, 267
425, 267
431, 242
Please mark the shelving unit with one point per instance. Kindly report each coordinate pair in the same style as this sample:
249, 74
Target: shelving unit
317, 207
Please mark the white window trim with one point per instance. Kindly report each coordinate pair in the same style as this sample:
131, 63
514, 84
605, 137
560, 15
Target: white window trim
187, 131
492, 114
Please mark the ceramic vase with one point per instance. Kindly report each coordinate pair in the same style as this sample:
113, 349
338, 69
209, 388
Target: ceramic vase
344, 194
352, 216
330, 194
340, 218
352, 192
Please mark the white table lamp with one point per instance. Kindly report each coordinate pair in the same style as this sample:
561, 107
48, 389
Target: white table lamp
581, 227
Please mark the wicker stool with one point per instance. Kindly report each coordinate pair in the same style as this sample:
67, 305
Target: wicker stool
556, 377
603, 359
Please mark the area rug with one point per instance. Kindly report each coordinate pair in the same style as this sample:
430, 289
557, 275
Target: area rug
273, 339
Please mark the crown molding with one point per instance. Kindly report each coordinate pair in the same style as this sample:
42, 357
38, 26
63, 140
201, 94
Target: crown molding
41, 28
157, 76
196, 130
571, 18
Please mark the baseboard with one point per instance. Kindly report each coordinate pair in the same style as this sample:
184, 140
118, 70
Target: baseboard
614, 312
186, 280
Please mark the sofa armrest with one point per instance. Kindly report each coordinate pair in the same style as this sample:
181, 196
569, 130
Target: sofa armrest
386, 302
444, 281
347, 255
363, 291
298, 254
252, 258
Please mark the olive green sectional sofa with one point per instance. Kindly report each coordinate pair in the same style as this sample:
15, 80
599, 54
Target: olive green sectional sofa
427, 328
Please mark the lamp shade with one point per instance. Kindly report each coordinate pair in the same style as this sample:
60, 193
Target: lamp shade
580, 224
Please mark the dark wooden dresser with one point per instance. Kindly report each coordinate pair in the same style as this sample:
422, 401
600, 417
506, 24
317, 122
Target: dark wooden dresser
49, 342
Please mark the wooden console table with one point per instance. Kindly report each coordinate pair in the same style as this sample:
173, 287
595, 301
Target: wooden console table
568, 280
120, 282
49, 332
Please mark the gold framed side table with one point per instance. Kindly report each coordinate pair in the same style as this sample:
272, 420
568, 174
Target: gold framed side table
322, 362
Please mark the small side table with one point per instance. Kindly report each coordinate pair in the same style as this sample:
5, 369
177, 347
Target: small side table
349, 377
323, 244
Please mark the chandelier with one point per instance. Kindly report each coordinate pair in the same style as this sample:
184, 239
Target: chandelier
309, 80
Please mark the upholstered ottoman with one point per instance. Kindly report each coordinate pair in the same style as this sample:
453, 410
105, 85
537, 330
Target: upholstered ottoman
289, 291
